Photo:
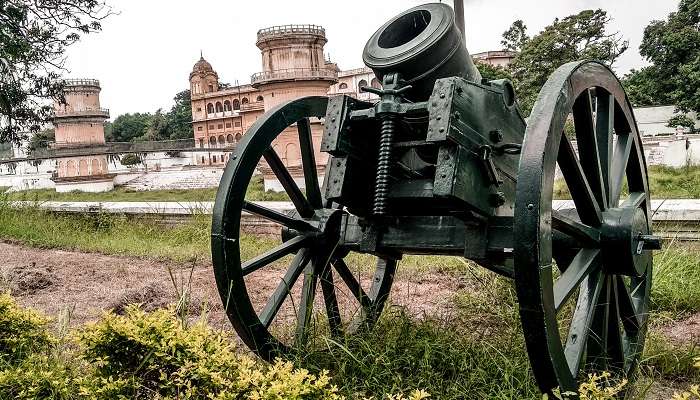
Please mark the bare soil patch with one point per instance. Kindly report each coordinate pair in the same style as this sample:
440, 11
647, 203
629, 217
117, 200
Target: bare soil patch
88, 284
685, 331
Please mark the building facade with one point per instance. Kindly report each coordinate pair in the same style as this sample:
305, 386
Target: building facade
293, 65
497, 58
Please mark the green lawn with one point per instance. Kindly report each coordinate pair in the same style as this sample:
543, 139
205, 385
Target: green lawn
664, 183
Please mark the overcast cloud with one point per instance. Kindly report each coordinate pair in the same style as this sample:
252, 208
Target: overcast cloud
144, 55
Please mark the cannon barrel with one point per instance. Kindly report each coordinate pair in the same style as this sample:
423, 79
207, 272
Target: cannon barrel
422, 44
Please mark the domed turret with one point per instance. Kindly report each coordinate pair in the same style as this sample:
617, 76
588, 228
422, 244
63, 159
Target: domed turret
203, 78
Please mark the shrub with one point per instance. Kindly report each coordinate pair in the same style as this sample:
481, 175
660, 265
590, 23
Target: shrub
22, 332
38, 377
142, 354
130, 159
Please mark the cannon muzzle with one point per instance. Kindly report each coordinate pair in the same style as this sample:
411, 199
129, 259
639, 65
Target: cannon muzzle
422, 44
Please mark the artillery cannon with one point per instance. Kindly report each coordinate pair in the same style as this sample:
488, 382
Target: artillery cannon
445, 164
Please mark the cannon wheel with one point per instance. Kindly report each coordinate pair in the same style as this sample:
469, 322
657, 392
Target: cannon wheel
311, 233
600, 264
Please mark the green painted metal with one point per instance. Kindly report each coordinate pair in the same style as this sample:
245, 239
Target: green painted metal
454, 171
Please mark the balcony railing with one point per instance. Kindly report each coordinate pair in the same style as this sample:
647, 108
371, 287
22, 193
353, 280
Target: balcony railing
294, 74
280, 30
81, 82
95, 112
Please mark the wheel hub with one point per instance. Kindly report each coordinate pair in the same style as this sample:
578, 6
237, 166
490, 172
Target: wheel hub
626, 242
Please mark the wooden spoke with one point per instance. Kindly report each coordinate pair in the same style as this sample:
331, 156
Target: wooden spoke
628, 313
300, 203
581, 193
597, 334
634, 200
584, 234
288, 247
588, 150
605, 122
619, 165
585, 262
306, 305
277, 217
352, 283
313, 190
330, 300
582, 319
285, 286
615, 351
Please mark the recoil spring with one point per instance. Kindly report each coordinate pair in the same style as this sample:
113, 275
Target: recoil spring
381, 187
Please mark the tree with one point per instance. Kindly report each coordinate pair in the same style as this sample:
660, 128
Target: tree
515, 37
128, 127
492, 72
644, 88
157, 127
180, 116
576, 37
41, 140
130, 159
33, 38
681, 121
673, 48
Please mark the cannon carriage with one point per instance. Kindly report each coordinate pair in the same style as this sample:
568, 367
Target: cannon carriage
445, 164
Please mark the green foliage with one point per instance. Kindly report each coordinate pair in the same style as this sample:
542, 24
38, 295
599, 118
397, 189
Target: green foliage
180, 116
663, 358
34, 36
490, 72
130, 159
673, 47
128, 127
21, 331
645, 88
515, 38
40, 377
576, 37
41, 140
681, 121
174, 124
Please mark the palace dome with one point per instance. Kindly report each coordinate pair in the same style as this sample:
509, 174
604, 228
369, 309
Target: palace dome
202, 66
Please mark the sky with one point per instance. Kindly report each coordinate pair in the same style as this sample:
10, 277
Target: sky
145, 52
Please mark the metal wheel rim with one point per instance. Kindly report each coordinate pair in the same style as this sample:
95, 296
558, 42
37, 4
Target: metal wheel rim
226, 257
554, 363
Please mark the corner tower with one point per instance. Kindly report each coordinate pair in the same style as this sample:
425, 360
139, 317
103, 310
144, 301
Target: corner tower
79, 122
293, 66
203, 78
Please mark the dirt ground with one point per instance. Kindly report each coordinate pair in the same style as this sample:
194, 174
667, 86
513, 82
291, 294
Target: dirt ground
84, 285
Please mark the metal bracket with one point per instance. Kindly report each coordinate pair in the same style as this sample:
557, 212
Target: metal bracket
485, 155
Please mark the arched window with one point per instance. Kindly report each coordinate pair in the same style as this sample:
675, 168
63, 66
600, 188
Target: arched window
83, 168
342, 86
212, 141
219, 107
227, 105
375, 83
229, 138
259, 98
236, 104
214, 158
362, 84
95, 167
221, 139
70, 168
238, 137
244, 101
210, 108
201, 143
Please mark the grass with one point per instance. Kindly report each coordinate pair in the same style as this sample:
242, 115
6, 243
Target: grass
255, 192
664, 183
476, 351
